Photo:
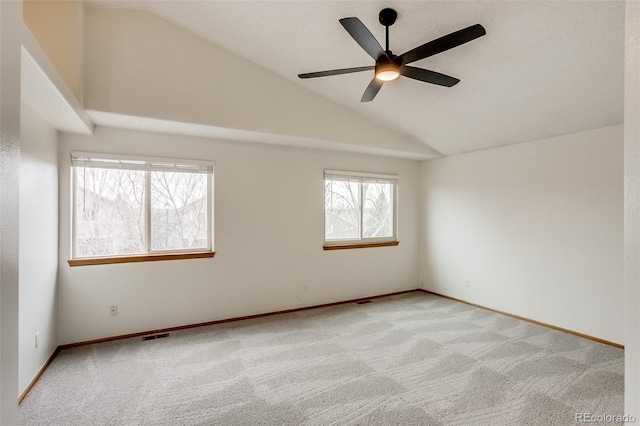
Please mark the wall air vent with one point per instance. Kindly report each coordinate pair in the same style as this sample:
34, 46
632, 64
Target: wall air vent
155, 336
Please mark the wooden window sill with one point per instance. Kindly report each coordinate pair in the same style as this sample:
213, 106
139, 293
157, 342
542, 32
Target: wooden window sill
139, 258
357, 246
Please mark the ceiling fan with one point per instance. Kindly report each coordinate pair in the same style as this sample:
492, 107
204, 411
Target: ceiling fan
388, 66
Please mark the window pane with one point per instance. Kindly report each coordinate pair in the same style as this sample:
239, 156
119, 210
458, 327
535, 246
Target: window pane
377, 217
109, 212
178, 211
342, 210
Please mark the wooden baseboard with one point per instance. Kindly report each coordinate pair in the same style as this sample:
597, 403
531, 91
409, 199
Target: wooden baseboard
184, 327
565, 330
38, 375
203, 324
287, 311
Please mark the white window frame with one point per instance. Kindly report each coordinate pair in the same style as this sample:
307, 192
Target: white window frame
362, 177
148, 165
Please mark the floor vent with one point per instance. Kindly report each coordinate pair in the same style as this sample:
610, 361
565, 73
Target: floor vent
362, 302
155, 336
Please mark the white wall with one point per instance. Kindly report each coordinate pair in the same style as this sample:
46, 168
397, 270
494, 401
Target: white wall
38, 244
536, 228
58, 25
10, 35
632, 209
269, 232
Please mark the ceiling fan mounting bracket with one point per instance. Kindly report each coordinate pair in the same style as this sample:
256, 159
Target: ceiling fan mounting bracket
387, 17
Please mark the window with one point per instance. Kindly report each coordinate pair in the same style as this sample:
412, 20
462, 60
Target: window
125, 208
360, 209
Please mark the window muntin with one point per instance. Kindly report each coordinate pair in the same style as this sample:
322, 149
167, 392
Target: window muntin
359, 207
124, 206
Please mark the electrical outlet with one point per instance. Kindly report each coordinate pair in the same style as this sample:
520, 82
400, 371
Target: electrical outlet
37, 335
113, 310
466, 282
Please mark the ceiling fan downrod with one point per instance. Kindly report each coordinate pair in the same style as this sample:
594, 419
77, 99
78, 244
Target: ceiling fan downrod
387, 17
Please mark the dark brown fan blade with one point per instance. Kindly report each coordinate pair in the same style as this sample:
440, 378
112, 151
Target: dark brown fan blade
429, 76
363, 37
441, 44
371, 91
335, 72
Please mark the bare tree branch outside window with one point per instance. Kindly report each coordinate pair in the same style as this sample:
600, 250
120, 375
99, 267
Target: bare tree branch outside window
110, 211
178, 210
346, 214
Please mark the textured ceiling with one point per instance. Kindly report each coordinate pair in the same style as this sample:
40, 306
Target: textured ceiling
545, 68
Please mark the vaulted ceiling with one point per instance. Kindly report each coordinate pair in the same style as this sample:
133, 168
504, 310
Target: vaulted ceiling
544, 68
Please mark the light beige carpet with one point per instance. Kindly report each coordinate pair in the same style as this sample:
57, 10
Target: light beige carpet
411, 359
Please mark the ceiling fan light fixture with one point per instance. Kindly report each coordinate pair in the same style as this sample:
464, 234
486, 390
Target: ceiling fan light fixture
387, 71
